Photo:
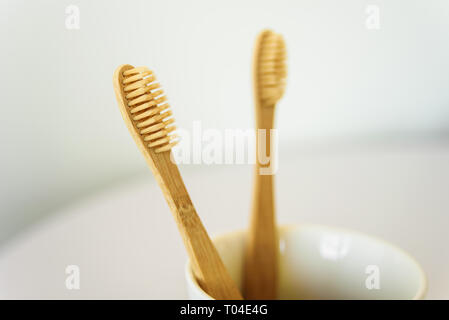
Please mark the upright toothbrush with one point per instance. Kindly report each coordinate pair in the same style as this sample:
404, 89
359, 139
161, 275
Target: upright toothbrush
148, 118
261, 259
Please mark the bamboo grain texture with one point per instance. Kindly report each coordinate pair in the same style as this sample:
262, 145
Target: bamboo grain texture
155, 146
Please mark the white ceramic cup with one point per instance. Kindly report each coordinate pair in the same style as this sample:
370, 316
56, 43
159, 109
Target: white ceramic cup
320, 262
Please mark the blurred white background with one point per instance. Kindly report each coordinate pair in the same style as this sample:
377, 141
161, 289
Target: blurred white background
62, 136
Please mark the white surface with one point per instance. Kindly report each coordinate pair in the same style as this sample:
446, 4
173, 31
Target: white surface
127, 246
64, 136
322, 262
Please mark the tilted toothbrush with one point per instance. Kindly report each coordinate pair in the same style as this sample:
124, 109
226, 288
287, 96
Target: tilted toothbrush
146, 113
261, 259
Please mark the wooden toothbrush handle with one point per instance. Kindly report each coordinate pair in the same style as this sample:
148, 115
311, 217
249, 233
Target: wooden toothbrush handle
207, 265
261, 264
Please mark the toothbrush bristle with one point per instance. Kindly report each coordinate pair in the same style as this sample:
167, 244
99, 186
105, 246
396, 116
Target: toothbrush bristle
271, 67
149, 109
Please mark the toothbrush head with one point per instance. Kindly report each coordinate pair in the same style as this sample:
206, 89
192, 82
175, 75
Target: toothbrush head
269, 67
144, 108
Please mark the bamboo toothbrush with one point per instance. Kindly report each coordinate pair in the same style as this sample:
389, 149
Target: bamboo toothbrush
261, 263
145, 111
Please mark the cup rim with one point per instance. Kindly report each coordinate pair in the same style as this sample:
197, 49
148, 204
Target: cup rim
420, 294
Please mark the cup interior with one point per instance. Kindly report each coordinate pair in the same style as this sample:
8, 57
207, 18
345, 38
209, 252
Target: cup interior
319, 262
